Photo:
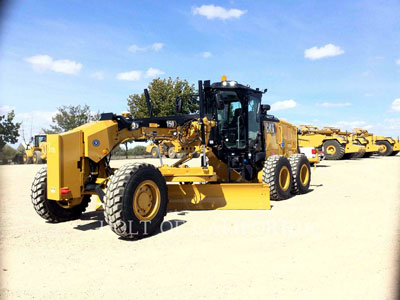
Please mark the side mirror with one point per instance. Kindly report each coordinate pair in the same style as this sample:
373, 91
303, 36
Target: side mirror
265, 107
220, 102
178, 105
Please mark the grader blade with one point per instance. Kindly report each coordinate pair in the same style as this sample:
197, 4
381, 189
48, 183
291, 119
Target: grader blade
218, 196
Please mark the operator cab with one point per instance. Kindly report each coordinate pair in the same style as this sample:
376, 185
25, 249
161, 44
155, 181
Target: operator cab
39, 139
238, 112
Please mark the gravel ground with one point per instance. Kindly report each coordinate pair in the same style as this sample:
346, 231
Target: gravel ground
340, 241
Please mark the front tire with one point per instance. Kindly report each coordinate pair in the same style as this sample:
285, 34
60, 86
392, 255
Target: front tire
27, 159
136, 200
171, 152
387, 150
333, 150
277, 173
301, 173
394, 153
51, 210
36, 157
154, 152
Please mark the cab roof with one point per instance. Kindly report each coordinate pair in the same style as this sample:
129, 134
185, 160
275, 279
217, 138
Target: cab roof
233, 85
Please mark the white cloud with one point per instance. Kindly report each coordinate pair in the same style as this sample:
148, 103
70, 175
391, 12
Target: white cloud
153, 72
333, 104
5, 109
392, 124
36, 116
97, 75
130, 76
396, 104
34, 122
281, 105
387, 127
217, 12
135, 48
325, 51
349, 125
157, 46
206, 54
42, 63
398, 62
153, 47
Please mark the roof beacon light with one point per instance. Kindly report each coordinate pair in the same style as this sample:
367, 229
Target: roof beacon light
223, 78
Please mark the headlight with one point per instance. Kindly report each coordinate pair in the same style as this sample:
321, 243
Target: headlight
134, 125
232, 83
224, 83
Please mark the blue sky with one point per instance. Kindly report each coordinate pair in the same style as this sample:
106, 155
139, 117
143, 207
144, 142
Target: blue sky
323, 62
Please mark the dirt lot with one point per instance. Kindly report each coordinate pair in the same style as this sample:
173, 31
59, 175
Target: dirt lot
340, 241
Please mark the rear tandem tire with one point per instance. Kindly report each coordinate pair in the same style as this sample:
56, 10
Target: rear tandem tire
301, 173
50, 210
136, 200
277, 173
333, 150
394, 153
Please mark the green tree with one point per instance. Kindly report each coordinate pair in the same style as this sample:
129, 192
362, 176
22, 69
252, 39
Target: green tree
118, 151
8, 129
7, 153
138, 150
163, 93
70, 117
121, 150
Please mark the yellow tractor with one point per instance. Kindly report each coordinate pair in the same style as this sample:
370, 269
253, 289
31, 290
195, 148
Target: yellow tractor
247, 157
35, 151
390, 146
335, 143
368, 141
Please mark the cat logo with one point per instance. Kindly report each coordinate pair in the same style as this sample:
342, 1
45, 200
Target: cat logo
270, 128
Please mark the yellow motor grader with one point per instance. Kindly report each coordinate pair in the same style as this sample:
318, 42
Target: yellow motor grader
335, 143
247, 158
35, 151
